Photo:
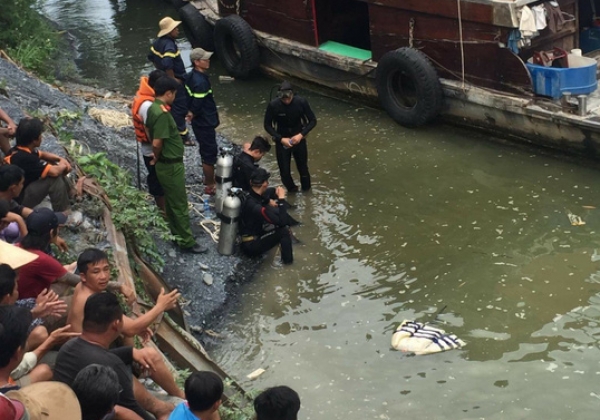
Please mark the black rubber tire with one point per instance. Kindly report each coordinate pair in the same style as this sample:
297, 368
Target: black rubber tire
408, 87
197, 29
236, 46
178, 4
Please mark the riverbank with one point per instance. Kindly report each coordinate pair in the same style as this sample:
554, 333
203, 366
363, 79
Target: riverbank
24, 94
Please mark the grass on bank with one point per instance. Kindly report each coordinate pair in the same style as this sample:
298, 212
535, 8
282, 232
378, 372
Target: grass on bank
27, 37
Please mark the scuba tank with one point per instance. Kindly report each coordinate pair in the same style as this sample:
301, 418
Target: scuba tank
230, 216
223, 176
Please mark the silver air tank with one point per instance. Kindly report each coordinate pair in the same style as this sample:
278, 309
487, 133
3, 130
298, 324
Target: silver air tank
230, 216
223, 176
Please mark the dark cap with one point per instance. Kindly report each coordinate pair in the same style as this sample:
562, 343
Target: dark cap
259, 176
285, 89
43, 220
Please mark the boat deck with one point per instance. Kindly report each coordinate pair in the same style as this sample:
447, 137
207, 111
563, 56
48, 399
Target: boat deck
536, 119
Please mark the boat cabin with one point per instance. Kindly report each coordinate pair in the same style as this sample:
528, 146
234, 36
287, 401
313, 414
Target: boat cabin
484, 42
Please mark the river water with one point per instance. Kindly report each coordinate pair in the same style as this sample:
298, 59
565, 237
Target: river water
435, 225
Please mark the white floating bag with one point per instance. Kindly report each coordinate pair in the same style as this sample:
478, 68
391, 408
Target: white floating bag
418, 338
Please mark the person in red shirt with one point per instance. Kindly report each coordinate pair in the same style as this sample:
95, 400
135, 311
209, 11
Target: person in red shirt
39, 274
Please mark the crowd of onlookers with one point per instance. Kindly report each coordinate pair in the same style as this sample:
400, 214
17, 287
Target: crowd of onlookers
66, 347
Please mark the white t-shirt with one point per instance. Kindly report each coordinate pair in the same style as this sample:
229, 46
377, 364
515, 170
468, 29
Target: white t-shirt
143, 114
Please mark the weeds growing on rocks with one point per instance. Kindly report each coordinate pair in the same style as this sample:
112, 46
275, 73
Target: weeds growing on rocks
27, 37
132, 211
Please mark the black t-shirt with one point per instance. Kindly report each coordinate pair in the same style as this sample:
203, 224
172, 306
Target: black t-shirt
243, 167
78, 353
34, 167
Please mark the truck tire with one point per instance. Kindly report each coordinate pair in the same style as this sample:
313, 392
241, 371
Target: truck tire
408, 87
236, 46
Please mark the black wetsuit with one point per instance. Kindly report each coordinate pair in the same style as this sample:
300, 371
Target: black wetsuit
256, 212
283, 120
243, 166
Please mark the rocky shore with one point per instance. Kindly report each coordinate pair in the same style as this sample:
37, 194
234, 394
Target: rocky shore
208, 281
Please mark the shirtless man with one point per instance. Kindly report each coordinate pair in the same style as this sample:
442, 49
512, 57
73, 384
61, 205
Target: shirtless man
94, 271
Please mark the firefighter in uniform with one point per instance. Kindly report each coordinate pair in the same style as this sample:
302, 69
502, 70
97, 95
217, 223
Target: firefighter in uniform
165, 56
203, 114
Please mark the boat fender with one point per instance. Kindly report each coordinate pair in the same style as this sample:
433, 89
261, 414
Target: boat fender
199, 32
408, 87
236, 46
178, 4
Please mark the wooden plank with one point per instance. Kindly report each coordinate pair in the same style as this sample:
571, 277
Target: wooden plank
181, 347
508, 72
289, 9
277, 23
439, 38
153, 282
475, 12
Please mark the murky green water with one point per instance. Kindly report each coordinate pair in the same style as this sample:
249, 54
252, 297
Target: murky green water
402, 224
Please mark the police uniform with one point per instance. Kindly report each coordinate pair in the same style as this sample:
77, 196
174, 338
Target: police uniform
171, 172
201, 104
165, 55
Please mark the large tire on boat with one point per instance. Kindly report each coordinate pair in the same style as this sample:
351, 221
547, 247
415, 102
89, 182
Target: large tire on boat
408, 87
198, 30
236, 46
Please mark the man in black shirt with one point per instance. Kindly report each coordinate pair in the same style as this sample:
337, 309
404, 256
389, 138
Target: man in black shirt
246, 162
258, 210
45, 173
102, 324
289, 119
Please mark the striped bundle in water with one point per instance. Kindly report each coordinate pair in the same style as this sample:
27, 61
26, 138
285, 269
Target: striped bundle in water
419, 338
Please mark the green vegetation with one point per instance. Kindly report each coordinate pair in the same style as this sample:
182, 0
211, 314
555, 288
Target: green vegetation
27, 37
238, 407
132, 212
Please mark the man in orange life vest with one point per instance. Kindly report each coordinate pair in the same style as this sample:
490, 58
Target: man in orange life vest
139, 110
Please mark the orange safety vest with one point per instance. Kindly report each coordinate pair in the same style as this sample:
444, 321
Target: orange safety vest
144, 93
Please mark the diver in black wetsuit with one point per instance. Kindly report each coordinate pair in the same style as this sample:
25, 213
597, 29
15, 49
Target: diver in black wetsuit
258, 210
289, 119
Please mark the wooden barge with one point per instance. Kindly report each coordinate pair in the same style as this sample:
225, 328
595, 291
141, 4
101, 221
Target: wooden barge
418, 59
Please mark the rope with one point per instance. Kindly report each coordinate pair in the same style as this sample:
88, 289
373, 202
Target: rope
214, 234
206, 223
462, 48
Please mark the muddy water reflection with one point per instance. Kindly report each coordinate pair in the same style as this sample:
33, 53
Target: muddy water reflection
399, 225
403, 224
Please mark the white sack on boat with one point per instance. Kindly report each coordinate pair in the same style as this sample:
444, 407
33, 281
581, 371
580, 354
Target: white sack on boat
527, 26
419, 338
111, 117
539, 14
